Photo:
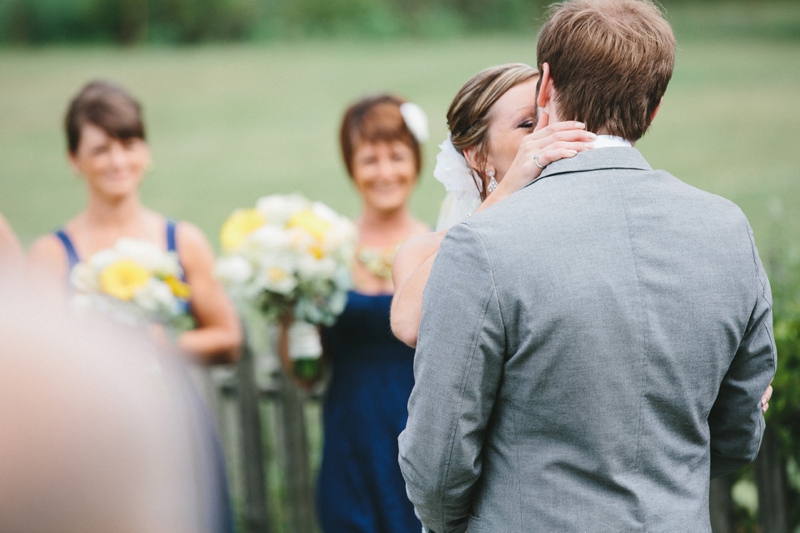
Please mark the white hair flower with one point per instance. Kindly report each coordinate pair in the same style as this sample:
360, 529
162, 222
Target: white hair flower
416, 121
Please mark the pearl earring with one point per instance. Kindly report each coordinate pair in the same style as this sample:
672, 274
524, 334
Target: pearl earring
492, 183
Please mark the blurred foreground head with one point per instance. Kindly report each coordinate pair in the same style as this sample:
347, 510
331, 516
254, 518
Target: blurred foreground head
94, 435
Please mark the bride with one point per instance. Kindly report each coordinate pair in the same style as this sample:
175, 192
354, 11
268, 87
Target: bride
492, 150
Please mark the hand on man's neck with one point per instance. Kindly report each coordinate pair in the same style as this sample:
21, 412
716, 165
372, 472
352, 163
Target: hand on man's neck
546, 99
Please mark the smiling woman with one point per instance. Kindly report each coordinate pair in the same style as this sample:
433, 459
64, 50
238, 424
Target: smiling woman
360, 487
107, 149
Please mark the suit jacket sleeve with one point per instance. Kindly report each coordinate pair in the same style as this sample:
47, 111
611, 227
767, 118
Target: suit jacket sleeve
457, 370
736, 422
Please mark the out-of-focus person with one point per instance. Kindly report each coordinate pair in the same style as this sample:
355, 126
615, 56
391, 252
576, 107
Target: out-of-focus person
99, 431
360, 487
107, 149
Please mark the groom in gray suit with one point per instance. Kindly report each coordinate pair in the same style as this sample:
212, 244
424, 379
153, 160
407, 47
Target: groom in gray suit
593, 349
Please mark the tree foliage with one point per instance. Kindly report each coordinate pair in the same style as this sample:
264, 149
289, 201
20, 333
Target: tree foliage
187, 21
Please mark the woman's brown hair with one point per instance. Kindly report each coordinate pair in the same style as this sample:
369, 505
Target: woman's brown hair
375, 119
468, 117
107, 106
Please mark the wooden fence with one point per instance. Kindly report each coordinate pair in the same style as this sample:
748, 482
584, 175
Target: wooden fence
265, 422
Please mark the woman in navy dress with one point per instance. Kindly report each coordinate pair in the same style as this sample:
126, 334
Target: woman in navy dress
107, 149
360, 487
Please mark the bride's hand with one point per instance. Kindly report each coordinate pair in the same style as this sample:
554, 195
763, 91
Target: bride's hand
765, 399
549, 142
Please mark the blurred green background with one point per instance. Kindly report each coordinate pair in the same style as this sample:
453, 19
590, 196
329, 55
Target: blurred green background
243, 98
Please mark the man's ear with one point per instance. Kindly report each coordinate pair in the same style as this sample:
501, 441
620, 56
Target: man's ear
545, 87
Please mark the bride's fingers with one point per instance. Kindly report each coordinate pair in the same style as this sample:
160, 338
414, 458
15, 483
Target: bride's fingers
578, 145
560, 136
540, 148
555, 127
549, 156
765, 399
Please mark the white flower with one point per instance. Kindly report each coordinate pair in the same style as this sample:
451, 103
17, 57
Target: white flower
84, 278
416, 121
314, 269
103, 259
148, 255
277, 208
269, 237
277, 275
233, 270
155, 297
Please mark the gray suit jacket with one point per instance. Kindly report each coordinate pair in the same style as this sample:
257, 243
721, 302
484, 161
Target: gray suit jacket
592, 351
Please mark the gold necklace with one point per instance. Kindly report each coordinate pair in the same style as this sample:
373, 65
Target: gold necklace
377, 261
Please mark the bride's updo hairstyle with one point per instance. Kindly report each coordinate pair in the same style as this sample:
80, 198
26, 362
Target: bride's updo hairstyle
470, 113
107, 106
375, 119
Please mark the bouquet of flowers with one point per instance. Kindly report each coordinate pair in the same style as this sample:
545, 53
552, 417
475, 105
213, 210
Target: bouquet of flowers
136, 283
289, 258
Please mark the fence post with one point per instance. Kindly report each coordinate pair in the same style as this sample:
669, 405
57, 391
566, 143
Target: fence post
298, 471
770, 470
256, 514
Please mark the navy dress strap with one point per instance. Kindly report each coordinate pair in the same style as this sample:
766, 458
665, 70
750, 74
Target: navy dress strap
72, 255
172, 243
172, 246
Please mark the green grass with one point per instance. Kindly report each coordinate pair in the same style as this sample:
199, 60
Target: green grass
229, 123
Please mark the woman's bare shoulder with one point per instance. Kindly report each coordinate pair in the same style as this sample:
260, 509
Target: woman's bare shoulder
424, 242
47, 247
193, 246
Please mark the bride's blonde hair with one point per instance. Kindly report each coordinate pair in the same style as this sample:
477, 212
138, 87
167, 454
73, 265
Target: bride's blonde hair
468, 116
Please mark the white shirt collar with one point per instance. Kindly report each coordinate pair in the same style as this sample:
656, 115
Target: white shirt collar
610, 141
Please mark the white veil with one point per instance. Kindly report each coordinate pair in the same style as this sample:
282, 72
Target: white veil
463, 188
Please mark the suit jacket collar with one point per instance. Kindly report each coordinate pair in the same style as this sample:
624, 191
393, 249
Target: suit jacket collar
599, 159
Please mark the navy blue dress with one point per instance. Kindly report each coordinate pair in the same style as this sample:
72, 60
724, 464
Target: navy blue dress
360, 487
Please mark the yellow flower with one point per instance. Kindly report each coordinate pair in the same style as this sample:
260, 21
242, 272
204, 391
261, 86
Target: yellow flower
179, 289
309, 221
123, 278
239, 225
276, 274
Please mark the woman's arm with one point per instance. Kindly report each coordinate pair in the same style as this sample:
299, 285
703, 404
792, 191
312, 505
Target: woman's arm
410, 271
413, 262
218, 334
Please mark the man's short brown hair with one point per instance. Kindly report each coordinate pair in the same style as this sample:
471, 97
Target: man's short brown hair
610, 62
